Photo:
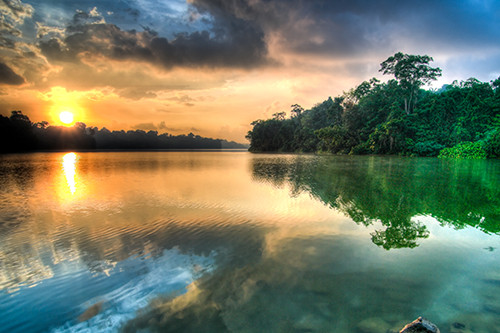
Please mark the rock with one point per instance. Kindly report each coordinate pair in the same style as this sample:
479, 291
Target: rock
91, 312
474, 323
458, 327
395, 328
310, 323
420, 325
373, 325
492, 306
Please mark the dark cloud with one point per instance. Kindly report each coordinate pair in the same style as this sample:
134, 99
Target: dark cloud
359, 26
133, 12
8, 76
84, 18
101, 39
136, 93
231, 42
184, 99
161, 127
145, 127
249, 33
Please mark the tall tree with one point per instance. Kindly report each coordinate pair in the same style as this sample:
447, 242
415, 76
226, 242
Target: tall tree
412, 72
296, 110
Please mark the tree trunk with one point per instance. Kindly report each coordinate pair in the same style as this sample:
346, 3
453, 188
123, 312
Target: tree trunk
410, 102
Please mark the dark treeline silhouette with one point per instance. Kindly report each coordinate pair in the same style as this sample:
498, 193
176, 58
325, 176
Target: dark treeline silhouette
139, 139
19, 134
397, 117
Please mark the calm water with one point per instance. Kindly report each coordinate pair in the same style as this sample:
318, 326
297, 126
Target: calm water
239, 242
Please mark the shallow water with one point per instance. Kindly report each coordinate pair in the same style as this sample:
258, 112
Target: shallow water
240, 242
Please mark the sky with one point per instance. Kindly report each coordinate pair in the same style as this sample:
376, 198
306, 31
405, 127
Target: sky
211, 67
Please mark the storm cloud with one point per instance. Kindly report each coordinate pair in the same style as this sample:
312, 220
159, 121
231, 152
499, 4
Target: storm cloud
354, 28
8, 76
253, 33
230, 42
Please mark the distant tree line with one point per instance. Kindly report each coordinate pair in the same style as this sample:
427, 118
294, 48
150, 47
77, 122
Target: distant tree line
19, 134
397, 117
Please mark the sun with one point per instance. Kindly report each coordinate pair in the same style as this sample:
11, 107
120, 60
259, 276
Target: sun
66, 117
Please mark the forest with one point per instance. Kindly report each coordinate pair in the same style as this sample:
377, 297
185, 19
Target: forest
19, 134
398, 117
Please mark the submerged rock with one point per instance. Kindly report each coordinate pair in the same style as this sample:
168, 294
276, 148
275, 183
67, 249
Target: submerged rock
458, 327
91, 312
420, 325
310, 323
373, 325
396, 327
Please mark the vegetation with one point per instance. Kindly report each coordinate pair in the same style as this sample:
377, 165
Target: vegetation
469, 150
411, 72
19, 134
394, 194
396, 117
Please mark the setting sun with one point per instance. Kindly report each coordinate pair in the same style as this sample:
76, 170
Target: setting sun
66, 117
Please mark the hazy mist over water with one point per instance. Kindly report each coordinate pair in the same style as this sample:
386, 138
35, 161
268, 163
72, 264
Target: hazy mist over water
240, 242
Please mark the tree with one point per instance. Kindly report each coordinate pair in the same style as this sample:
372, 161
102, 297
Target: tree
20, 119
296, 110
279, 115
412, 72
42, 124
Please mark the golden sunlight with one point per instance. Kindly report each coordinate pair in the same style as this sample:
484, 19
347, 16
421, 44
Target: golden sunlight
62, 105
69, 167
66, 117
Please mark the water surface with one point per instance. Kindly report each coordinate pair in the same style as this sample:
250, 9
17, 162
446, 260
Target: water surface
239, 242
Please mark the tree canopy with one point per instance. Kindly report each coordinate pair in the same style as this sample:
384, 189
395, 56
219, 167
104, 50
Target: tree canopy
461, 119
412, 72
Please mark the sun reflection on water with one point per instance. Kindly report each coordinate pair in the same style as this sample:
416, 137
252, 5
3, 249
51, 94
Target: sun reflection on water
69, 167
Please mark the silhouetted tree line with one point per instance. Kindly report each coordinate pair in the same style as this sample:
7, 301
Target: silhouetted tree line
397, 117
19, 134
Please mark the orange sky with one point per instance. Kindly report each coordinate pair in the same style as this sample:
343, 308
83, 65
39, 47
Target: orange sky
222, 105
211, 67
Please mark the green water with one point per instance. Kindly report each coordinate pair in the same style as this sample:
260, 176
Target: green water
239, 242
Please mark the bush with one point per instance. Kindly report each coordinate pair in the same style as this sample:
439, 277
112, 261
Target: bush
427, 148
492, 144
361, 149
467, 150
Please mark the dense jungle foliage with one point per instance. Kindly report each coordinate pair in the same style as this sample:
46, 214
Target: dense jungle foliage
397, 117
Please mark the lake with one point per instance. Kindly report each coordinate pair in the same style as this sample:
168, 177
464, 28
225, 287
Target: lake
240, 242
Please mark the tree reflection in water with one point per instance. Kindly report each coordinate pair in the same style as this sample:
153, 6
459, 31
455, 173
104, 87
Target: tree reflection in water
393, 191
